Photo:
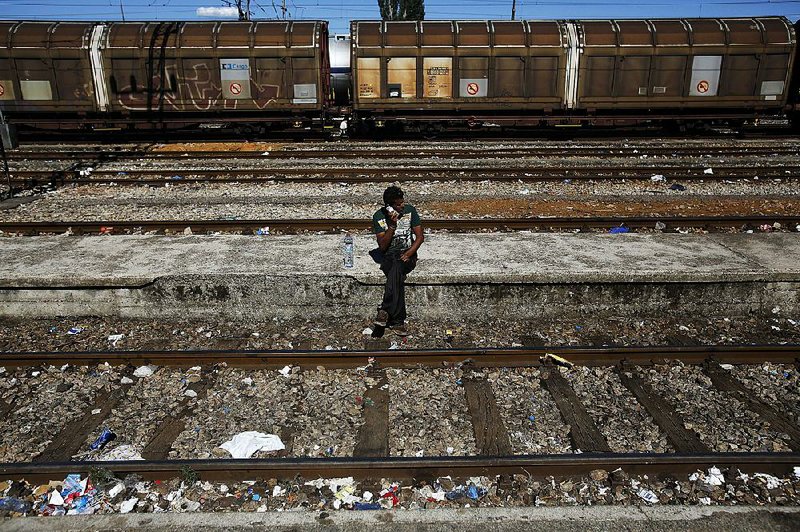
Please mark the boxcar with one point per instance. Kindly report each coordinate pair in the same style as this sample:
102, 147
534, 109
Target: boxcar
169, 74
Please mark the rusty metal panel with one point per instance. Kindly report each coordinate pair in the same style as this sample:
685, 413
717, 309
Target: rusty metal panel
473, 74
743, 32
543, 77
270, 79
70, 35
73, 80
738, 77
670, 33
369, 77
401, 34
707, 32
126, 76
438, 77
772, 76
598, 77
544, 33
125, 35
234, 34
368, 34
634, 33
401, 77
201, 77
5, 33
197, 35
666, 80
302, 34
705, 75
509, 33
31, 35
599, 33
776, 30
270, 34
472, 33
509, 77
632, 76
437, 34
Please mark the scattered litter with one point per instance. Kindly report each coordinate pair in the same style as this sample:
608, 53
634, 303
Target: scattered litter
286, 371
190, 393
619, 230
772, 482
96, 411
677, 186
144, 371
128, 505
116, 490
715, 477
75, 330
709, 171
187, 231
657, 178
262, 231
367, 331
726, 366
246, 444
660, 226
105, 436
555, 359
114, 338
126, 380
647, 496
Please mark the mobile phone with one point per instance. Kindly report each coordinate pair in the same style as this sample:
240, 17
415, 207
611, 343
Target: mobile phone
390, 210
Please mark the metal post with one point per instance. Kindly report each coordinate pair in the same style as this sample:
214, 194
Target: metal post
513, 9
3, 154
121, 10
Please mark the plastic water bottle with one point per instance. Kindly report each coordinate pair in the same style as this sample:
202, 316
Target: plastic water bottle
349, 250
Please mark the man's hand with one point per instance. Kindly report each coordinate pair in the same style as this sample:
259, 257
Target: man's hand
406, 256
393, 217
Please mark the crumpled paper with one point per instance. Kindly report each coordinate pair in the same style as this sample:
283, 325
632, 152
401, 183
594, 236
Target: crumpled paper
246, 444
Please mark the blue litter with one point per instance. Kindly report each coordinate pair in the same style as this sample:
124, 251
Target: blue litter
101, 441
618, 230
454, 495
367, 506
472, 493
176, 177
678, 187
458, 382
531, 418
256, 497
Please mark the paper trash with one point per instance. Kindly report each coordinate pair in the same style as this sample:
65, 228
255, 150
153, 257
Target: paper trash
246, 444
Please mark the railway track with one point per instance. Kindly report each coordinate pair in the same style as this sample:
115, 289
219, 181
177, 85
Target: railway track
173, 176
500, 152
493, 456
664, 223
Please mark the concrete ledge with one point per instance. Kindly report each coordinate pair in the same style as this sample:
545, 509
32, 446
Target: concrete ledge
507, 275
577, 519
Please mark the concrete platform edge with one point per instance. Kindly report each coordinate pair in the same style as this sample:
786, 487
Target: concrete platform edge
583, 519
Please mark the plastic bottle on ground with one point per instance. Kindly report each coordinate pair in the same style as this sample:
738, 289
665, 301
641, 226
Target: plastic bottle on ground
349, 250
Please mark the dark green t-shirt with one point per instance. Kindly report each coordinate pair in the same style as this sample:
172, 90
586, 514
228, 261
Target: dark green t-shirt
403, 235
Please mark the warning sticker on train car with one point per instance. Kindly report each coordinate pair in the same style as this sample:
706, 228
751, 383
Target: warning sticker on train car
473, 88
705, 75
438, 77
235, 76
6, 90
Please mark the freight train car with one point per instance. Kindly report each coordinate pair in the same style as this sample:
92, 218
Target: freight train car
164, 74
434, 74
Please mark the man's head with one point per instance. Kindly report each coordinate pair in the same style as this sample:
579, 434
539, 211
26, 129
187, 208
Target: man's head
393, 197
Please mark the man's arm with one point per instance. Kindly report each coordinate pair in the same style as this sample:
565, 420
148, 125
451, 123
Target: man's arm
385, 238
420, 238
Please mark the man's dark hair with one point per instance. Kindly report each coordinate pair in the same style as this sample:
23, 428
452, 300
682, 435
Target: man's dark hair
391, 194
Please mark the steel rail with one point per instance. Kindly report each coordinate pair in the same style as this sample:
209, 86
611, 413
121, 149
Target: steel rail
496, 357
385, 153
453, 225
539, 466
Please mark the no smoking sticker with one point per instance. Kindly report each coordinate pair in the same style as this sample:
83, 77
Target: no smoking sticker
2, 89
235, 88
702, 86
472, 89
